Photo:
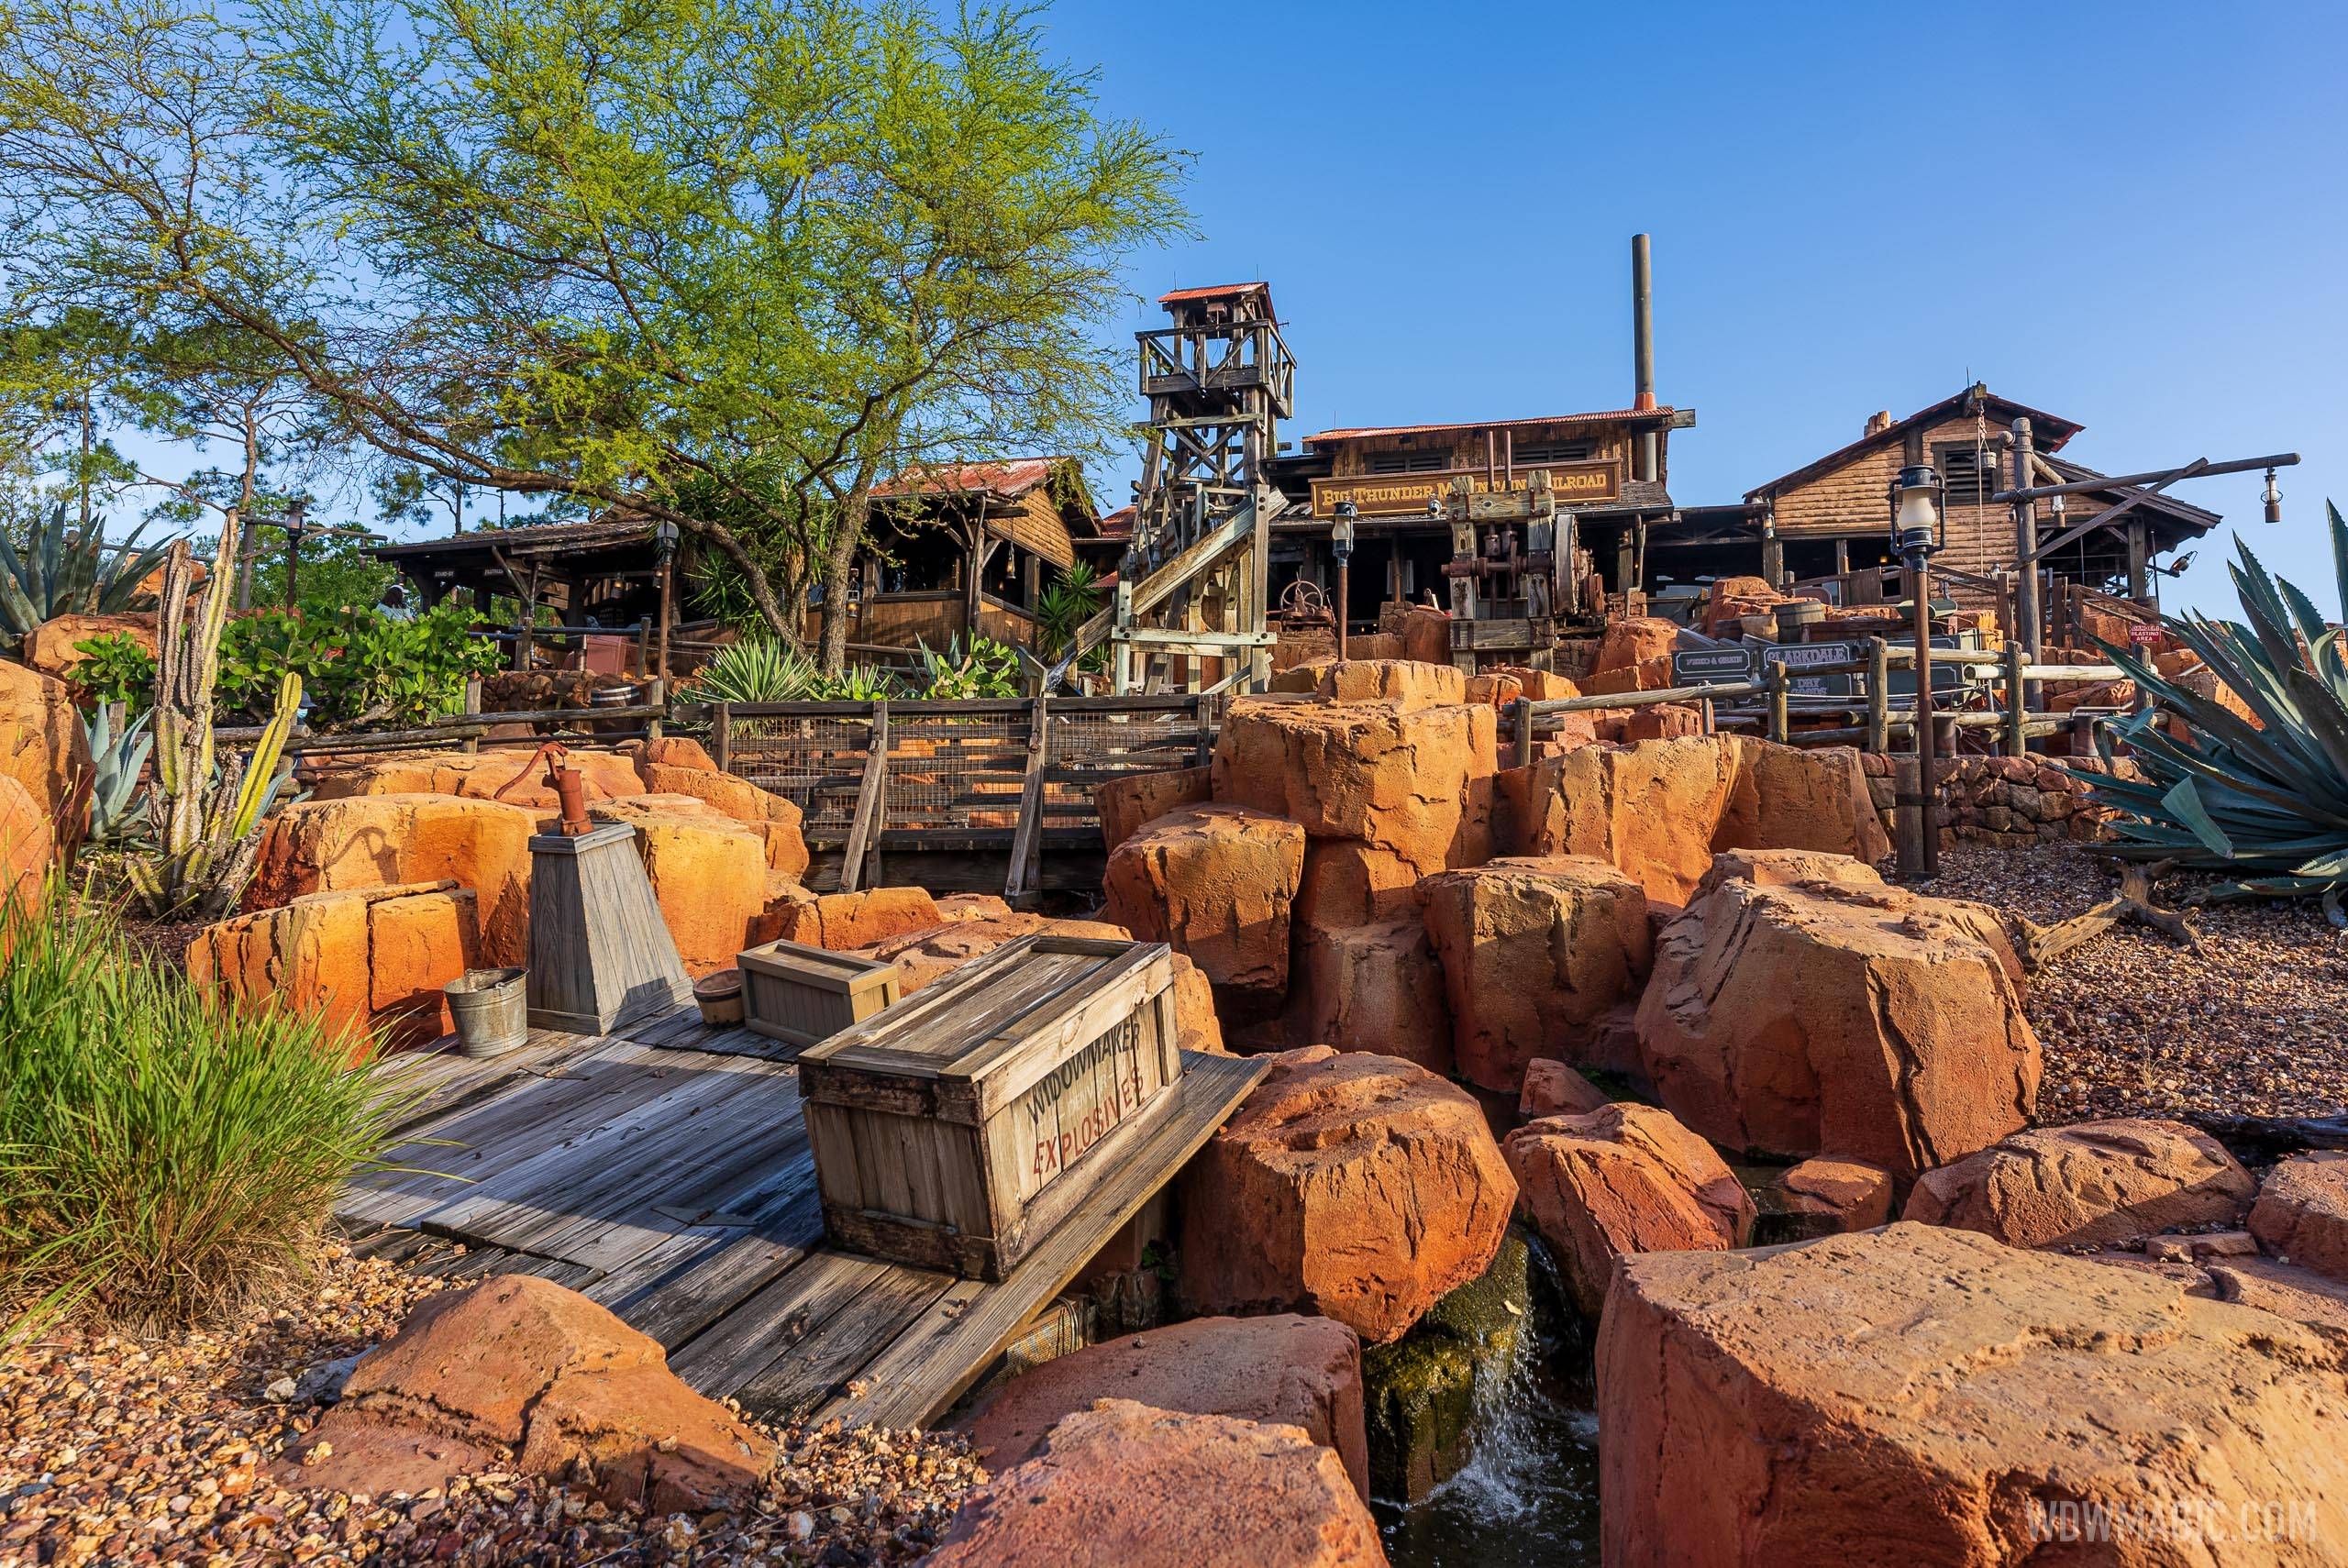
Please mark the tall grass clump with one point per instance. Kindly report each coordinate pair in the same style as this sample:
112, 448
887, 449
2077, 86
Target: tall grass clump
164, 1157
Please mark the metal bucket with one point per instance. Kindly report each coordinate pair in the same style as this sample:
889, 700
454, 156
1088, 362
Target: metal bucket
491, 1009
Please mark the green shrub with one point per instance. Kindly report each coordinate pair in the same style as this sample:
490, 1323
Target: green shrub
116, 669
164, 1157
977, 668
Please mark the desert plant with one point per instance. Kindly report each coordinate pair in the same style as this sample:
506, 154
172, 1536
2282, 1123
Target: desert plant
758, 670
2264, 799
62, 573
1069, 600
978, 667
114, 668
207, 811
115, 762
857, 683
164, 1155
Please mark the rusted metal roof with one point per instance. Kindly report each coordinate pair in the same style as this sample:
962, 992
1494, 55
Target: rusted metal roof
1213, 290
591, 533
1659, 416
1118, 525
1007, 480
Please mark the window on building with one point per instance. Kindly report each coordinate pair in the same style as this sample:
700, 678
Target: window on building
1408, 463
1532, 454
1970, 472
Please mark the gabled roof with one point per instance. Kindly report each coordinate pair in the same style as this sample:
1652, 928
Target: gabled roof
2049, 430
1663, 415
2158, 504
1216, 290
594, 533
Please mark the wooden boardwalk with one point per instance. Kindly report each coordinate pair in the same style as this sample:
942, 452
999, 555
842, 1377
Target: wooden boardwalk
665, 1172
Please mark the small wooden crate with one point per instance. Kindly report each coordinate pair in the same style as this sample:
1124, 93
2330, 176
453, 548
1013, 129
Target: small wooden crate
951, 1131
805, 995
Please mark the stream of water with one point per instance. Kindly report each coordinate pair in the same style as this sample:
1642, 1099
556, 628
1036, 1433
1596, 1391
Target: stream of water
1528, 1494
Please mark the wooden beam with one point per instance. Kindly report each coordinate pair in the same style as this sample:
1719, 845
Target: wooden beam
1026, 843
866, 828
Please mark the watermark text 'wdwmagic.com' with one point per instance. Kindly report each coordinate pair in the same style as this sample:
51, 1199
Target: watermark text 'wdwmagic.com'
2182, 1521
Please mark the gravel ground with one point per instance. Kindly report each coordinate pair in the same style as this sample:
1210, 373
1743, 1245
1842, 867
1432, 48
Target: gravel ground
114, 1452
2133, 1024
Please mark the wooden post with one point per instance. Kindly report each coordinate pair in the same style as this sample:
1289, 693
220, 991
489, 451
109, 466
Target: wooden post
721, 737
2140, 578
2026, 604
526, 640
1202, 714
1781, 720
1907, 815
644, 645
2017, 731
655, 692
864, 829
473, 709
1025, 876
1520, 717
1878, 737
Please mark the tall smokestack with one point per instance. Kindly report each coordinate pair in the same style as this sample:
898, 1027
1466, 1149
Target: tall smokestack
1642, 346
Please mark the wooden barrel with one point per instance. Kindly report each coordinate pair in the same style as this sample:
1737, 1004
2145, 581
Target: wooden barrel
719, 997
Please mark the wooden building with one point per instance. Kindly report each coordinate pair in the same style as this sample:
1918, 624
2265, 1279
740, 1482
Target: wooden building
1832, 515
958, 546
1609, 478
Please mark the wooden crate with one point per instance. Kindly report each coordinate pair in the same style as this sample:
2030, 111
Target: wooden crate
805, 995
951, 1130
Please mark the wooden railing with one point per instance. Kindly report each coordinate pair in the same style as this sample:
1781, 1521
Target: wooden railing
1770, 703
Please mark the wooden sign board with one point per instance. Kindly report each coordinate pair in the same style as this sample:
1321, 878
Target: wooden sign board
951, 1129
1406, 495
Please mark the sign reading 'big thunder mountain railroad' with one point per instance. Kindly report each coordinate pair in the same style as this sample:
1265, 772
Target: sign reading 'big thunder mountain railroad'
1404, 495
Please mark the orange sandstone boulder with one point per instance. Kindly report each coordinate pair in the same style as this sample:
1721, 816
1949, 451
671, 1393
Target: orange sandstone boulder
1914, 1395
1125, 803
1557, 1089
1634, 640
481, 775
1374, 987
519, 1373
1425, 632
26, 847
53, 647
1346, 883
1623, 1179
1414, 782
1835, 1194
1356, 1187
1781, 867
2093, 1184
1123, 1485
1215, 882
1821, 1018
775, 817
2302, 1212
1401, 681
366, 959
42, 744
708, 871
1802, 797
842, 921
1302, 1371
376, 841
1535, 952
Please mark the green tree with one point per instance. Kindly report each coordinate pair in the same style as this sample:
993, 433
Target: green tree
722, 262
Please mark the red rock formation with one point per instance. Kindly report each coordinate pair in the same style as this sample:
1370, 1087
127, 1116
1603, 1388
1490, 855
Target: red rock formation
1843, 1195
376, 841
519, 1373
1214, 882
1302, 1372
1125, 803
42, 745
1373, 988
1915, 1396
842, 921
1621, 1179
1820, 1019
53, 647
2093, 1184
1633, 640
506, 773
1346, 883
1535, 952
1122, 1486
2302, 1212
1357, 1186
26, 847
1557, 1089
1403, 682
1413, 782
362, 959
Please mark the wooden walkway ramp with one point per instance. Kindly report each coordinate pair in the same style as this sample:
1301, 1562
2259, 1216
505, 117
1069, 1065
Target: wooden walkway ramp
665, 1172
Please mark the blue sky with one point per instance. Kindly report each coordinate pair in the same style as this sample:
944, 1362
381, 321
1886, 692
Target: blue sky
2131, 216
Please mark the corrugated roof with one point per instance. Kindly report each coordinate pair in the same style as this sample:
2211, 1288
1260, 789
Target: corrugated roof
1213, 291
1007, 479
2199, 518
1601, 416
1118, 525
592, 532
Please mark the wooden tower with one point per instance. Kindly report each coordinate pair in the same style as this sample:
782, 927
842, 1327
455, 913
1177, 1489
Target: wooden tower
1192, 594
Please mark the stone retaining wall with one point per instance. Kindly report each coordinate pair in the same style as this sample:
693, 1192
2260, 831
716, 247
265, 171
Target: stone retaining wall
2007, 801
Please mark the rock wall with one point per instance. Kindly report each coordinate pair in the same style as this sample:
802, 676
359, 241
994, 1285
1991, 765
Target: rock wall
2008, 801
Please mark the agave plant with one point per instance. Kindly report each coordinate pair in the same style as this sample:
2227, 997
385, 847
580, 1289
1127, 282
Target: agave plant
59, 573
978, 667
760, 670
2266, 800
115, 761
857, 683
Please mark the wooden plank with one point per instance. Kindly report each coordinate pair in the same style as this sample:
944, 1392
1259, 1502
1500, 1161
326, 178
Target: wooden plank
729, 1352
926, 1367
868, 799
826, 1362
1025, 846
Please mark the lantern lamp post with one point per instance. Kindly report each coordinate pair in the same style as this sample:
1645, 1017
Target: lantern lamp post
1341, 546
1917, 495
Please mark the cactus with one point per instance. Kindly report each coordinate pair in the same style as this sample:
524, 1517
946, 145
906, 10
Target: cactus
207, 811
